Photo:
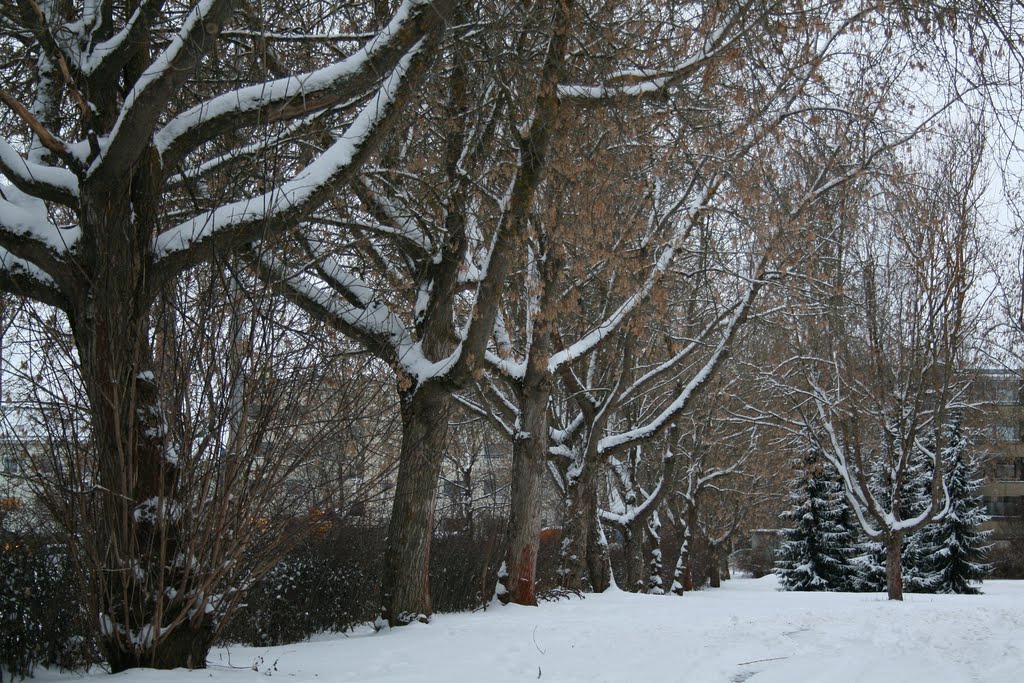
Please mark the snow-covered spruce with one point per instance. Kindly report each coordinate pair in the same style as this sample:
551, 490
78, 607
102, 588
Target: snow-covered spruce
956, 545
817, 552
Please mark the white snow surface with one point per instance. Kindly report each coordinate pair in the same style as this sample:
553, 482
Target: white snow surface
745, 631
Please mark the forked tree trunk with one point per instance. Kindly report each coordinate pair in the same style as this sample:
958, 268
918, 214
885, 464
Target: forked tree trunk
894, 566
405, 585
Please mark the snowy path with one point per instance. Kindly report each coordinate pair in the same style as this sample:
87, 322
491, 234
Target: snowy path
744, 632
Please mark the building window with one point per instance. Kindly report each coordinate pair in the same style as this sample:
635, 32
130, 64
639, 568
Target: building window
490, 485
11, 465
1005, 506
1006, 393
452, 491
1001, 470
1005, 431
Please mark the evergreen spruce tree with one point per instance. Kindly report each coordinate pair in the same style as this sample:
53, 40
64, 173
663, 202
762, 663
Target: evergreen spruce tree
957, 546
915, 496
815, 555
847, 520
869, 565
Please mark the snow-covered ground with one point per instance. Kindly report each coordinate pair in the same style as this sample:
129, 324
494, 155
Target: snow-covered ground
745, 631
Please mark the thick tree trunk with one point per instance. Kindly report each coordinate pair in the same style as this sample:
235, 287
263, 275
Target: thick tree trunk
599, 562
894, 566
186, 647
529, 454
146, 573
519, 579
715, 565
405, 586
575, 531
144, 603
633, 551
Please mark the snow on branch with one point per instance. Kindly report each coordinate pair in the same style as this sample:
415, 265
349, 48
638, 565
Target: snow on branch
245, 219
300, 95
613, 322
49, 183
105, 58
875, 518
699, 380
26, 230
646, 82
149, 94
46, 138
397, 222
246, 152
357, 314
661, 369
298, 37
22, 277
630, 514
488, 412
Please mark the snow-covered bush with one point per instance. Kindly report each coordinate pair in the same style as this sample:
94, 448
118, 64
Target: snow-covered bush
329, 583
42, 622
332, 582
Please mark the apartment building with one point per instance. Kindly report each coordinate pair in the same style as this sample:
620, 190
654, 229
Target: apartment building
1000, 421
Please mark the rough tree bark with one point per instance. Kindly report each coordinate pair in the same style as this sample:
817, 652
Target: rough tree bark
575, 532
894, 565
530, 445
143, 594
714, 565
529, 455
599, 562
652, 538
405, 596
633, 550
